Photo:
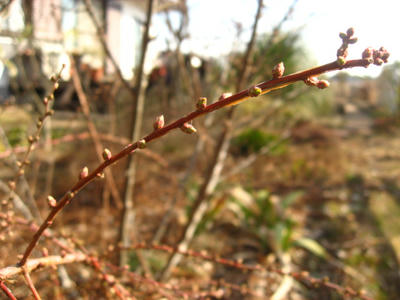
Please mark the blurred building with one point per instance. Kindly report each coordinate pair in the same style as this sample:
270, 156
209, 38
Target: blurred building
54, 28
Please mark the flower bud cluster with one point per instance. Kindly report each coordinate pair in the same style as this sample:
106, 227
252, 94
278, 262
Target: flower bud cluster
377, 57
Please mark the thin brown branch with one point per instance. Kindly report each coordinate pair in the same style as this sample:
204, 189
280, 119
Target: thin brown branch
303, 277
265, 87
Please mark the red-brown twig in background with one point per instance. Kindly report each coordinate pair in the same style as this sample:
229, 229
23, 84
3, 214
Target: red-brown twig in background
7, 291
303, 277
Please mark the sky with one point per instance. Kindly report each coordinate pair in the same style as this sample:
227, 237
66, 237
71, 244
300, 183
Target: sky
212, 31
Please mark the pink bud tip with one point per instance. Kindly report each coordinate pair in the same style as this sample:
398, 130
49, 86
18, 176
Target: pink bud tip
159, 122
188, 128
51, 201
84, 173
323, 84
224, 96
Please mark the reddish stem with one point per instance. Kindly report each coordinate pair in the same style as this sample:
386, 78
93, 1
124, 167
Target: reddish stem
7, 291
265, 87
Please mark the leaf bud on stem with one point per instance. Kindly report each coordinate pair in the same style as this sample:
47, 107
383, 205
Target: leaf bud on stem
84, 173
188, 128
51, 201
106, 154
278, 70
141, 144
254, 91
201, 103
159, 122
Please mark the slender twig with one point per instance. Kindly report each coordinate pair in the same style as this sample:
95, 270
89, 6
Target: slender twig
263, 87
7, 291
299, 276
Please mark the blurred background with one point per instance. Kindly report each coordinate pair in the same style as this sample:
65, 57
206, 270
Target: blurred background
309, 180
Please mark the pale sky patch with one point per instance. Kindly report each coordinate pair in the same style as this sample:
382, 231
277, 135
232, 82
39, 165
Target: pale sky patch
212, 30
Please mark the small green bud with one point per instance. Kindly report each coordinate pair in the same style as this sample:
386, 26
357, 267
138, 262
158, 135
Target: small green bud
188, 128
201, 103
106, 154
341, 61
141, 144
254, 91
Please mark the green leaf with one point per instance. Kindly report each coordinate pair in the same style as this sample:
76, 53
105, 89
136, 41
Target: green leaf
313, 246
